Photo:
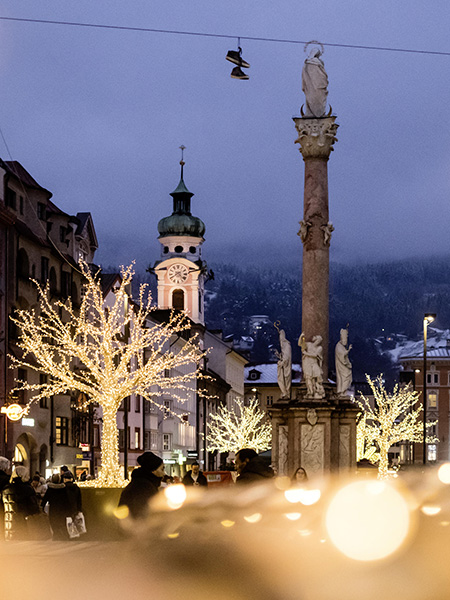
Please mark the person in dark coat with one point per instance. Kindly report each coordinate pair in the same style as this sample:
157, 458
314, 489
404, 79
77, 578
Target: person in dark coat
251, 467
59, 507
4, 480
144, 484
19, 502
73, 494
195, 476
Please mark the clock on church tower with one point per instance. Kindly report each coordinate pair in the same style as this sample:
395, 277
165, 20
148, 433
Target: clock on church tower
181, 272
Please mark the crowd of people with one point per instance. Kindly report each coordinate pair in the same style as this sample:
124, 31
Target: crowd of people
33, 508
39, 509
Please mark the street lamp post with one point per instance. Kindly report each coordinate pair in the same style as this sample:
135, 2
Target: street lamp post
427, 319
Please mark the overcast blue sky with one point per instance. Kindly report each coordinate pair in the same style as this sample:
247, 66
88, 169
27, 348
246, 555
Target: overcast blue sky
97, 117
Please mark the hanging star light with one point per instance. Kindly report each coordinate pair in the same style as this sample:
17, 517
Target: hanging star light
107, 354
240, 427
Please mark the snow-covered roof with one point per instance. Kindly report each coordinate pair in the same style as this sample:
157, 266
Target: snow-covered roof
268, 373
437, 346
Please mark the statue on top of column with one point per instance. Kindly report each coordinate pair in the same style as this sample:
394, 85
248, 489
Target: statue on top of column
284, 365
315, 83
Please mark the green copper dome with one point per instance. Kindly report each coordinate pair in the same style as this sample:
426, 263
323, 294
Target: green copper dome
181, 221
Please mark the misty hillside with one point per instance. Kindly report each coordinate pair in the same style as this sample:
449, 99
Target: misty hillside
376, 300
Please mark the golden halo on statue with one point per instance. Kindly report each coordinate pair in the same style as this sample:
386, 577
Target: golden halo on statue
14, 412
314, 43
277, 325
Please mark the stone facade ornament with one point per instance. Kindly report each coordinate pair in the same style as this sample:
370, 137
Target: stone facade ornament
327, 231
311, 416
316, 136
304, 229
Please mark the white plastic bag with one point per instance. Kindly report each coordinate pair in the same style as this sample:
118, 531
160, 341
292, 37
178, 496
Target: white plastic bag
80, 523
72, 528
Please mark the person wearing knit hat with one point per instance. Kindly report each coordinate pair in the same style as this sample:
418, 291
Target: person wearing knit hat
144, 484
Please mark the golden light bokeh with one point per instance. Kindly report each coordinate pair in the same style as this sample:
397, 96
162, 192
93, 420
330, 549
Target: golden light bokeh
306, 497
444, 473
175, 495
255, 518
368, 520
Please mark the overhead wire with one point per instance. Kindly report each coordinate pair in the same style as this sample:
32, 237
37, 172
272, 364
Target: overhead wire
221, 35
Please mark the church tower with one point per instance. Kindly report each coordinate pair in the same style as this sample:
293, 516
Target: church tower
181, 272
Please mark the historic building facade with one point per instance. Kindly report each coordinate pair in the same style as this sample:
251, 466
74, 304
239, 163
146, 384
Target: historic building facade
39, 241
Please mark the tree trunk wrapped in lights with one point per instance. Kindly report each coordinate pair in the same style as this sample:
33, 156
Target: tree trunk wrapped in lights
393, 418
240, 427
107, 354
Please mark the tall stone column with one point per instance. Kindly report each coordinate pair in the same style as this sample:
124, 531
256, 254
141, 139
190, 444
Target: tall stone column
316, 137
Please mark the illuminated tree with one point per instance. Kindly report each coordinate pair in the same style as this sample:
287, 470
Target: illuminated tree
240, 427
107, 353
365, 450
390, 419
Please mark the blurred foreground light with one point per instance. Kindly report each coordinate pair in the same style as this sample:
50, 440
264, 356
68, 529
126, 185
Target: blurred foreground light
430, 511
175, 495
444, 473
294, 516
173, 536
283, 483
368, 520
253, 518
306, 497
227, 523
121, 512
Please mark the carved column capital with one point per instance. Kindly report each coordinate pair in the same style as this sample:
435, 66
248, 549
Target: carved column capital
316, 136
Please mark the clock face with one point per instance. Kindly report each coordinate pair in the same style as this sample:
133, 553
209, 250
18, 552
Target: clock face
178, 273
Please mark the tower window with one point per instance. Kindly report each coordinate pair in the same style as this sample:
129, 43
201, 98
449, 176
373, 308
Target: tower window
179, 249
178, 299
192, 249
166, 249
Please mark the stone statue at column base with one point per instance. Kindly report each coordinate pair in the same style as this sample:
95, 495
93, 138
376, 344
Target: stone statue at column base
343, 364
284, 366
312, 359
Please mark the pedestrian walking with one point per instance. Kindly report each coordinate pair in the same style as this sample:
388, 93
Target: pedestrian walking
195, 476
60, 507
4, 480
251, 468
145, 483
19, 502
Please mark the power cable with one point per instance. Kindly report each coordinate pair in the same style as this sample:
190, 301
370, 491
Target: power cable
221, 35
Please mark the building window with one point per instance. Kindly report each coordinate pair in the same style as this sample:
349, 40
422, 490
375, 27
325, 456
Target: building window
137, 438
269, 400
62, 431
62, 234
137, 405
432, 398
44, 269
53, 281
433, 378
432, 452
150, 440
23, 264
43, 402
122, 439
21, 376
21, 206
167, 407
167, 441
178, 299
10, 198
42, 211
66, 284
